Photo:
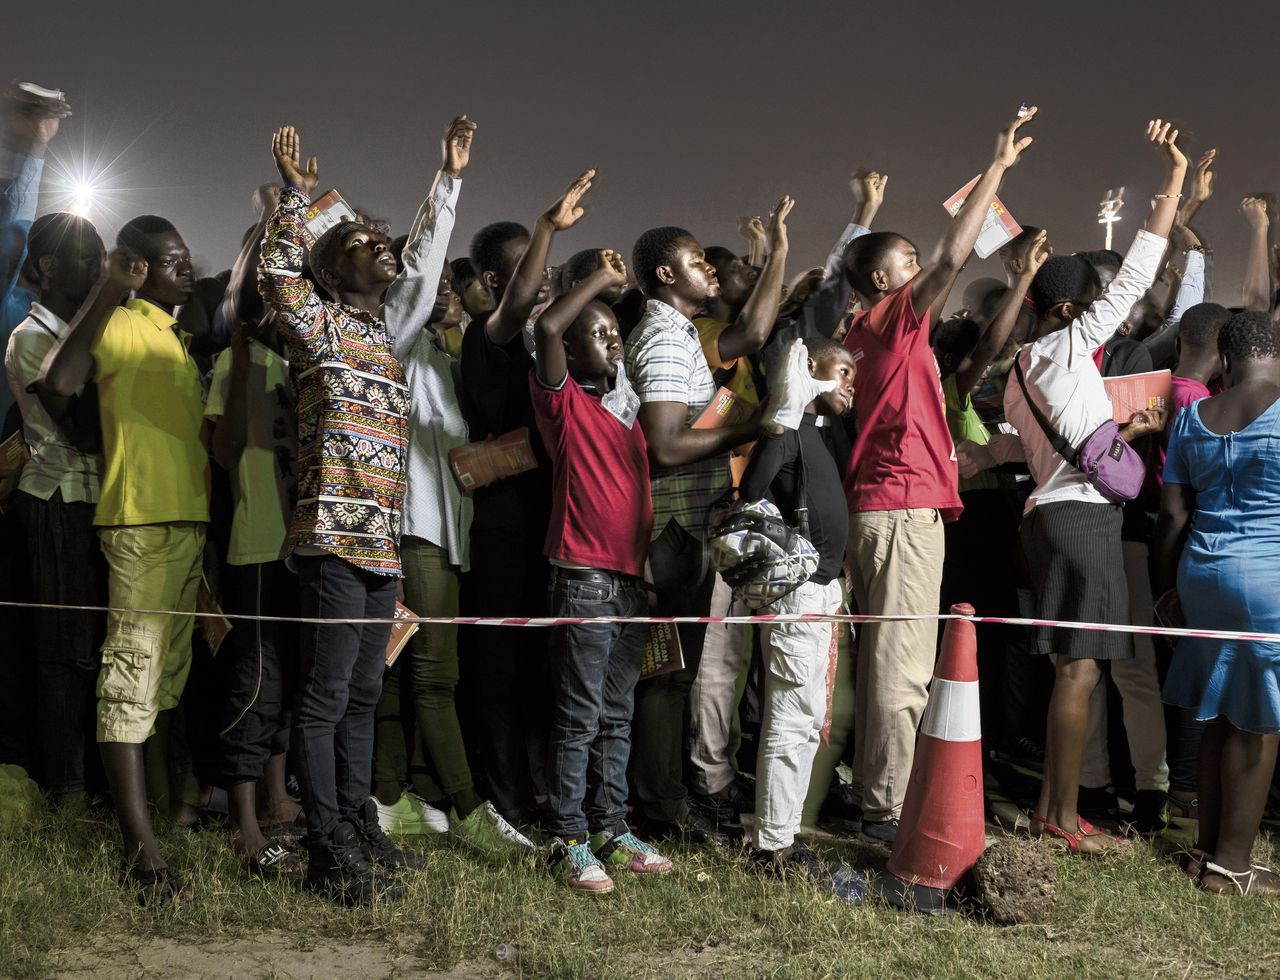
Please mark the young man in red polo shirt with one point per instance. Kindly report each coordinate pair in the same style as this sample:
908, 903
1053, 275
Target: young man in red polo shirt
597, 541
902, 484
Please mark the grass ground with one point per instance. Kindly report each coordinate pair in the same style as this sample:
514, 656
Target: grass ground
61, 914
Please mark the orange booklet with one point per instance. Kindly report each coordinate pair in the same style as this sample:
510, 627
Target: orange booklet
325, 211
725, 408
1131, 393
400, 633
479, 464
998, 227
662, 653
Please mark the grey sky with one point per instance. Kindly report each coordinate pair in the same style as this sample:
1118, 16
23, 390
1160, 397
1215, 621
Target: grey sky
693, 113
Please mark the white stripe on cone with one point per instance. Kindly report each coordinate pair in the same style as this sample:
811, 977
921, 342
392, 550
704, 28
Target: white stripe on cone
952, 712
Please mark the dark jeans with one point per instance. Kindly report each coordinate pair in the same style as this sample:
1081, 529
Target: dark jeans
66, 568
339, 680
594, 667
683, 585
261, 663
504, 669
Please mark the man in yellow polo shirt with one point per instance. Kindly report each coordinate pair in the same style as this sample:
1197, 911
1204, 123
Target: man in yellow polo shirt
151, 512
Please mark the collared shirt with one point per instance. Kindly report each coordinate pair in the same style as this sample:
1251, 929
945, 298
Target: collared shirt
435, 509
665, 364
19, 186
151, 406
55, 463
352, 408
1061, 375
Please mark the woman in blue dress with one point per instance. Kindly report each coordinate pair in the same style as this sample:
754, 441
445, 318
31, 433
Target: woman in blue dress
1218, 538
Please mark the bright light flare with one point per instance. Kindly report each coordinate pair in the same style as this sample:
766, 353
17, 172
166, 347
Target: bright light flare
83, 196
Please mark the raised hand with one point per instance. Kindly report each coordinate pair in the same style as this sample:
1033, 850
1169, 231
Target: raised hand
868, 187
287, 149
1034, 253
567, 212
1010, 146
1202, 182
457, 145
125, 270
1183, 238
1254, 210
777, 240
612, 269
32, 120
1164, 136
752, 229
1145, 421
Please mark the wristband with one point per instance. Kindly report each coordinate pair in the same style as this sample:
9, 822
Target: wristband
1168, 196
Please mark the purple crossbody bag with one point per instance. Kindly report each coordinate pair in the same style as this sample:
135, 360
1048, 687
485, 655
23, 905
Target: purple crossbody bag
1110, 464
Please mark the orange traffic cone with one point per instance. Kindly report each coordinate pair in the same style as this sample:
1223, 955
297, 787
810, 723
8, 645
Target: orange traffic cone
941, 833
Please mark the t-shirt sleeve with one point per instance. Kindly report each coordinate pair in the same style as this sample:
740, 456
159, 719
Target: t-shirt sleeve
114, 345
1176, 466
27, 350
219, 385
551, 408
663, 370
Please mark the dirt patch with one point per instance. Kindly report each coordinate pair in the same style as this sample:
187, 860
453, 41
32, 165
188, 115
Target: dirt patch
277, 957
1016, 881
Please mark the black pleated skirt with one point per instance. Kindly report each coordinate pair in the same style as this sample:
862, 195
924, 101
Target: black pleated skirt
1077, 570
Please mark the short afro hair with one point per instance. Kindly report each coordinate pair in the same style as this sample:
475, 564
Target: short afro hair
1201, 324
52, 234
1249, 336
1103, 258
822, 349
1063, 279
956, 336
655, 248
864, 255
577, 267
136, 234
720, 258
324, 253
486, 245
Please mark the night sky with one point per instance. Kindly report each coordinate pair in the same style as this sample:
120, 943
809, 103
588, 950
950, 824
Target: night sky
693, 114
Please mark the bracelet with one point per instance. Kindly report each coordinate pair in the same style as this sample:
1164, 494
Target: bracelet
1168, 196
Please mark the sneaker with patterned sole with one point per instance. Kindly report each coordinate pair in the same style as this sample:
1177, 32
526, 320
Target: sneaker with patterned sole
486, 831
626, 850
573, 864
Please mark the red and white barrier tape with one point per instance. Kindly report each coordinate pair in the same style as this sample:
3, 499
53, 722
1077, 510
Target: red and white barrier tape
545, 621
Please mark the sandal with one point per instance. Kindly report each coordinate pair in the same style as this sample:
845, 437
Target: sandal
271, 859
1242, 882
1074, 840
158, 886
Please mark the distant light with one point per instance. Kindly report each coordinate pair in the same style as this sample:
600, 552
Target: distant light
82, 198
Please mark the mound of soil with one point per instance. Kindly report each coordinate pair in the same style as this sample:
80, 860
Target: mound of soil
1016, 881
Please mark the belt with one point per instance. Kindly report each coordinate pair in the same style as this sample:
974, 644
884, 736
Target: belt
593, 575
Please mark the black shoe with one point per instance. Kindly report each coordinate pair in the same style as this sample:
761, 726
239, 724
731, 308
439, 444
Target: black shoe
797, 861
882, 832
694, 829
841, 806
1150, 812
717, 808
1097, 803
1023, 752
338, 869
379, 850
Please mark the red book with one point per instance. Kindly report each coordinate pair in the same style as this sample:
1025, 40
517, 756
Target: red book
998, 227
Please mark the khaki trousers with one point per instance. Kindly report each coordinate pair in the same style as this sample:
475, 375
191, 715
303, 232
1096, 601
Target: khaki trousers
895, 563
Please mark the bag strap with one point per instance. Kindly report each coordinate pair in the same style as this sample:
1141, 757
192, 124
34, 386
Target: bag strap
802, 491
1060, 445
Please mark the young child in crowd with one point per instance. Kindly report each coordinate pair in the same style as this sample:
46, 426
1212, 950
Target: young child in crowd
597, 543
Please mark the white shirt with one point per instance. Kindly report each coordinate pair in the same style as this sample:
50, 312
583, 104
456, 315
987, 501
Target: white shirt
435, 509
1066, 384
55, 463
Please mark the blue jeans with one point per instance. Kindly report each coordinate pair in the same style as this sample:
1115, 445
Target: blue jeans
594, 669
339, 681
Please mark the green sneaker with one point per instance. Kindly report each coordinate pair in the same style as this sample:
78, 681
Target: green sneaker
486, 831
573, 864
626, 850
410, 817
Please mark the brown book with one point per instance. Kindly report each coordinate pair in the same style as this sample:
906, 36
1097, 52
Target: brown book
480, 464
662, 652
400, 633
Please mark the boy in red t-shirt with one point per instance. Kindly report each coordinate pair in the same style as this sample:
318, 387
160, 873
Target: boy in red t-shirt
902, 484
597, 542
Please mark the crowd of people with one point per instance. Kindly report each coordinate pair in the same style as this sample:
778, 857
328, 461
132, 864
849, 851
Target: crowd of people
280, 441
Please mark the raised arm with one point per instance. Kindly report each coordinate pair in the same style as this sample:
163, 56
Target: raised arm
1161, 343
300, 313
932, 286
750, 331
30, 124
70, 364
521, 293
1256, 291
406, 307
752, 229
868, 194
1201, 187
1035, 253
548, 331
